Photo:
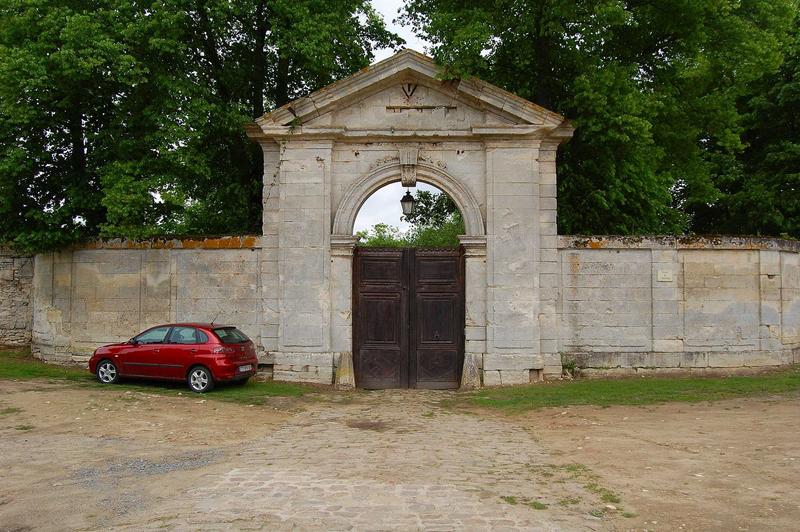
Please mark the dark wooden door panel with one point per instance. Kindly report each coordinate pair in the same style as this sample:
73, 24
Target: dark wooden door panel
379, 369
408, 318
437, 369
437, 319
379, 318
380, 328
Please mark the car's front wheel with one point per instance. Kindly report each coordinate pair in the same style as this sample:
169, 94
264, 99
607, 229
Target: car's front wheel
107, 372
200, 380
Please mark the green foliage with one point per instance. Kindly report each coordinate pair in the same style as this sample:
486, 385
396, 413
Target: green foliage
636, 391
654, 90
765, 196
382, 236
435, 223
432, 209
122, 118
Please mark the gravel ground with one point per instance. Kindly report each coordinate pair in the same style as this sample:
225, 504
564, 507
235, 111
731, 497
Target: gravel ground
94, 459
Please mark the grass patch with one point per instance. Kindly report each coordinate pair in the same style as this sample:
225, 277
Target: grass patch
536, 505
635, 391
569, 501
10, 410
605, 494
628, 515
509, 499
24, 427
20, 365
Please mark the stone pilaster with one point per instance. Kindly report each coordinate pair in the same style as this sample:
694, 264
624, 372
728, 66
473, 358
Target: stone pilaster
512, 235
474, 311
770, 296
549, 265
270, 295
341, 308
304, 351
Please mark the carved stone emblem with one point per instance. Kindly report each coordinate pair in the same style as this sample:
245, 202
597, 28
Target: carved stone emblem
408, 166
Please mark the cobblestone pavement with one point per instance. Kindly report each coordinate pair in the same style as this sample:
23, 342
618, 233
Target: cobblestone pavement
381, 461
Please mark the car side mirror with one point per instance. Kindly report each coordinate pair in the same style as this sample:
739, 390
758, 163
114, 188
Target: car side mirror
133, 341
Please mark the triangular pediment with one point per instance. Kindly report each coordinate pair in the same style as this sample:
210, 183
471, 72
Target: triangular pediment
405, 92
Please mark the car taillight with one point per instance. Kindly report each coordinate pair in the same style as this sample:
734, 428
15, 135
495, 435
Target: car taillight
224, 350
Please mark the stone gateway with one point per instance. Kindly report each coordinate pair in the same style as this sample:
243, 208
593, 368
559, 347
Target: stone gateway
492, 152
531, 300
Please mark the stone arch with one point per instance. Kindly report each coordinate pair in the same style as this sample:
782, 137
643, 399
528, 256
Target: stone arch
361, 190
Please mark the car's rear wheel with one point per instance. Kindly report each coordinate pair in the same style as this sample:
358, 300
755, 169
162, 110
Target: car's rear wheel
107, 372
200, 379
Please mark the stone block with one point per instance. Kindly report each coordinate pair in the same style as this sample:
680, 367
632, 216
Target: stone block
552, 372
475, 346
309, 374
511, 361
511, 377
726, 359
668, 346
548, 346
323, 360
491, 378
596, 359
474, 333
599, 373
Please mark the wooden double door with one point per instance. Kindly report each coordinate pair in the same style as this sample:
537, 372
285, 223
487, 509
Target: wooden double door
408, 318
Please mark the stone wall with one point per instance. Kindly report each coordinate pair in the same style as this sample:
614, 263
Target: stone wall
634, 305
16, 273
623, 305
109, 291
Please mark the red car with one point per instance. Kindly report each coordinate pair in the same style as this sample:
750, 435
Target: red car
202, 354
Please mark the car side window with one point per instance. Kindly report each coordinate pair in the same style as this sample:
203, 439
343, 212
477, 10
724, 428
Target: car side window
156, 335
185, 335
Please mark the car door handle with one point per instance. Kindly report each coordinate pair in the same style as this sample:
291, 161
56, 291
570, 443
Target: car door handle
156, 350
193, 350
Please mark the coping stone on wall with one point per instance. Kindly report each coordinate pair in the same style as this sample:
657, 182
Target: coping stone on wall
677, 242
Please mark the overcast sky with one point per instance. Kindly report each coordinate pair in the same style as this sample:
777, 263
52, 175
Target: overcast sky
384, 205
389, 9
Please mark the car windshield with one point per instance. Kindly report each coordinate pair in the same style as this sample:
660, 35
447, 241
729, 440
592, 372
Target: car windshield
231, 335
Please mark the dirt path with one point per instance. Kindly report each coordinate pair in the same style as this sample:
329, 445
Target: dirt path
731, 465
88, 459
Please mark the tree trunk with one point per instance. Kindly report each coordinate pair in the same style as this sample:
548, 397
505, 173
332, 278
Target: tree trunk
210, 50
282, 80
541, 50
259, 60
77, 142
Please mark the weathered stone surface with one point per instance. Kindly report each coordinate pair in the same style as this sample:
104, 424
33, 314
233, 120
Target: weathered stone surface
93, 296
16, 311
345, 377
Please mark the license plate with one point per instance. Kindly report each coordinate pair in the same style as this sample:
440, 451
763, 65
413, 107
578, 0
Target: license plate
246, 367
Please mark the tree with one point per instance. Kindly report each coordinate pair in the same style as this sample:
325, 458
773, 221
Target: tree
432, 209
121, 118
652, 87
765, 196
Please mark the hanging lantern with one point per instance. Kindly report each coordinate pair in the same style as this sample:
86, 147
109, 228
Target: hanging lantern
408, 203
